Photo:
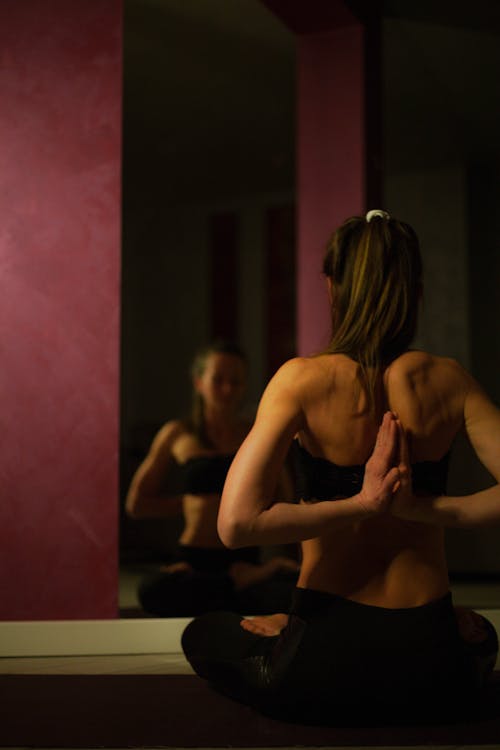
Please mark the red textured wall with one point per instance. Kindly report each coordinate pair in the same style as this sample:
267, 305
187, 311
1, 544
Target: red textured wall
60, 152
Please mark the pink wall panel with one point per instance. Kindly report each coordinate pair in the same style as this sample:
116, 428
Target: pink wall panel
60, 152
331, 162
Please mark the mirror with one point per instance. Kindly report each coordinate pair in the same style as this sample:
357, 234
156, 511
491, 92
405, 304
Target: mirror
209, 104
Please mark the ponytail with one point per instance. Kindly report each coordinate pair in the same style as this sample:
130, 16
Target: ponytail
375, 269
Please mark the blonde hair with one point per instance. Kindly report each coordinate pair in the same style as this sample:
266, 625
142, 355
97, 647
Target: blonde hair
375, 268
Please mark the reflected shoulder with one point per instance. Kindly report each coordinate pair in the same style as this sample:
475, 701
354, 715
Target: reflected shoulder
170, 431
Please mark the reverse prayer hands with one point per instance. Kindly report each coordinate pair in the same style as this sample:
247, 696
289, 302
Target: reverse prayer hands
384, 470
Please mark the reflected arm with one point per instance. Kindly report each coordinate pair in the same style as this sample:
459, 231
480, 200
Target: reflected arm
147, 496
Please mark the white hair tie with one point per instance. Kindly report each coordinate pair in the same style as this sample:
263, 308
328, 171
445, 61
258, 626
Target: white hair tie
377, 212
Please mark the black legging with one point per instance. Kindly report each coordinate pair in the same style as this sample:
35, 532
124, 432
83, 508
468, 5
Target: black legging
338, 658
207, 586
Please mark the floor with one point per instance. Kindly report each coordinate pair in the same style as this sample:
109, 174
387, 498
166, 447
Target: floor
482, 595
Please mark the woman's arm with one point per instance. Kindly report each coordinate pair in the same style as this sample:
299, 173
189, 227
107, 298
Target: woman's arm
482, 424
147, 496
248, 515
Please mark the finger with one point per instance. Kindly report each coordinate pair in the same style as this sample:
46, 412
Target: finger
387, 440
392, 480
385, 426
404, 457
381, 439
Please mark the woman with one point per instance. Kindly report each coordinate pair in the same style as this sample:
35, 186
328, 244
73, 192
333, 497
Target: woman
184, 472
372, 625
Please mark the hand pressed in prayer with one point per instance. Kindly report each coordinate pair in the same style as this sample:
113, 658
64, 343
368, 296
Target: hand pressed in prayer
405, 503
382, 471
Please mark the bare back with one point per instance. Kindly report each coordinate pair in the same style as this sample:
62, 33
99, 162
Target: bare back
383, 561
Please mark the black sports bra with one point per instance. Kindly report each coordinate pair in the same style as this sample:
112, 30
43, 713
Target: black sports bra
320, 479
205, 474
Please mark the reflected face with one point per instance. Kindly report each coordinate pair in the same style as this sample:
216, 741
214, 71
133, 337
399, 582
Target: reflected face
222, 382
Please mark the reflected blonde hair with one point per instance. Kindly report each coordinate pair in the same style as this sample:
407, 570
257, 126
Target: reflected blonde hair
196, 420
375, 269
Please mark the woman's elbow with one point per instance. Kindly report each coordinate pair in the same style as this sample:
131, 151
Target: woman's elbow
131, 511
233, 533
133, 506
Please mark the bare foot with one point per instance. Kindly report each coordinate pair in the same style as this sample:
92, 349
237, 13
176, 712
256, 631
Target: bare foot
245, 574
267, 625
176, 567
283, 564
470, 625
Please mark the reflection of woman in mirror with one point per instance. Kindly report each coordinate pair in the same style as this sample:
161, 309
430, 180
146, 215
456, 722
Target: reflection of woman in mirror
184, 472
372, 626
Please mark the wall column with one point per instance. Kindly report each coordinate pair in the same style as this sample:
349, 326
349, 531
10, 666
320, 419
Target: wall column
338, 138
60, 163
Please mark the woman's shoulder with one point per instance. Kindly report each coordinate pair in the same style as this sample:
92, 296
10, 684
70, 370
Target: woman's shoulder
420, 365
303, 372
317, 365
171, 431
309, 379
425, 388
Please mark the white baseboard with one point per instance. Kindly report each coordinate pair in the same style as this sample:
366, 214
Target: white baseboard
91, 637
